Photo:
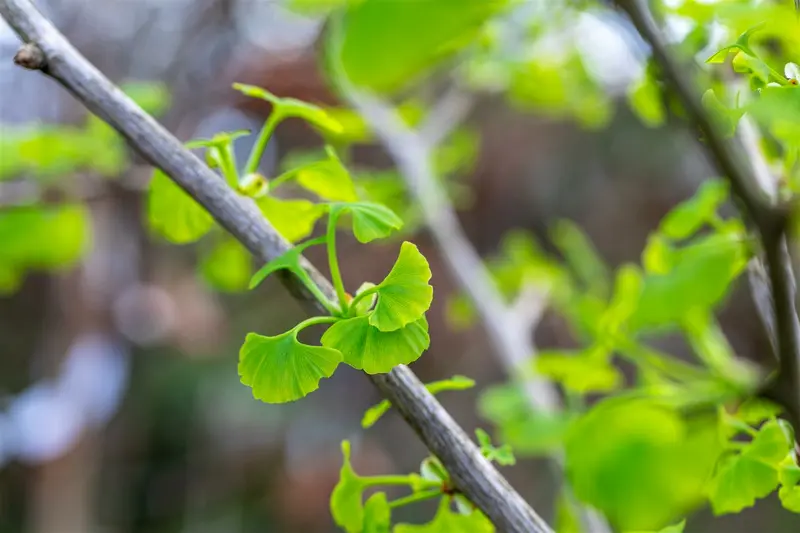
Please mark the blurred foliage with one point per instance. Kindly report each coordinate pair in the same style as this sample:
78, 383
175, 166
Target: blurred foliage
36, 236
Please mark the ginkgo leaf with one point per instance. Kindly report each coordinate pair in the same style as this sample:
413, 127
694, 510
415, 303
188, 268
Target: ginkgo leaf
743, 478
293, 219
370, 221
290, 107
228, 266
174, 214
346, 499
581, 372
367, 348
446, 521
289, 260
405, 294
377, 514
282, 369
327, 178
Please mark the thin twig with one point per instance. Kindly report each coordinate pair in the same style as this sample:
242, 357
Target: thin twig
769, 218
470, 472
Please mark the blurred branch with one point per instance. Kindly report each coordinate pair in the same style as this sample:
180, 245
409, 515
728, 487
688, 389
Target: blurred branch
769, 218
446, 116
471, 473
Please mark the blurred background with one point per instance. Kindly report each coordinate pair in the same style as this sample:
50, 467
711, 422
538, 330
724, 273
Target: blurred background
120, 405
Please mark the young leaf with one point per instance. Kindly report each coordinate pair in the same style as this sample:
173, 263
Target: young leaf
290, 107
641, 463
446, 521
374, 413
293, 219
688, 217
174, 214
584, 372
290, 260
743, 478
386, 45
370, 221
789, 477
228, 266
328, 179
701, 277
582, 257
377, 514
346, 500
755, 410
503, 456
405, 294
281, 369
367, 348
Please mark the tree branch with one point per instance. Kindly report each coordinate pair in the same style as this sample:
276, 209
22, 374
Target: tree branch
471, 472
769, 218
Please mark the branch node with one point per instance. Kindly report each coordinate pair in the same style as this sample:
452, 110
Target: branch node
31, 57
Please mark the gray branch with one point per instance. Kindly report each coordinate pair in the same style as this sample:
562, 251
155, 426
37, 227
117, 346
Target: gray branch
472, 473
769, 217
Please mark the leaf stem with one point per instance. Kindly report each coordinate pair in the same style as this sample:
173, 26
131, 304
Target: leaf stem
414, 498
360, 296
261, 143
228, 162
401, 480
314, 289
333, 261
313, 321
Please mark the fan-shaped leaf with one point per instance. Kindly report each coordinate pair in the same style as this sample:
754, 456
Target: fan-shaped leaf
405, 294
281, 369
173, 214
370, 221
367, 348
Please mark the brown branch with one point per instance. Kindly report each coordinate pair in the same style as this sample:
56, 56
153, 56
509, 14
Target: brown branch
471, 473
769, 218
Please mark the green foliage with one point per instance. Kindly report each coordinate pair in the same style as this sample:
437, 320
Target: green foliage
646, 465
282, 369
386, 44
446, 521
367, 348
41, 238
174, 214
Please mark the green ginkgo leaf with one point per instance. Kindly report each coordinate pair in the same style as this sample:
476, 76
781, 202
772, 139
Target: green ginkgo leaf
173, 214
581, 372
289, 260
290, 107
327, 178
293, 219
367, 348
446, 521
228, 266
377, 514
281, 369
370, 221
745, 477
405, 294
346, 499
